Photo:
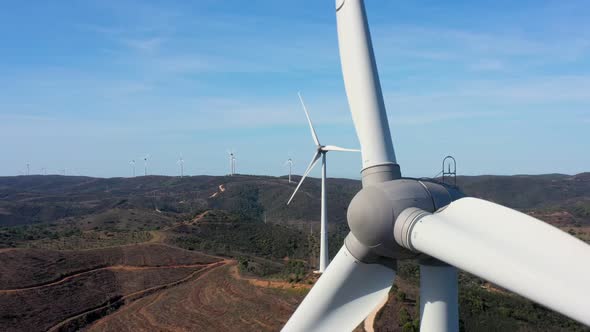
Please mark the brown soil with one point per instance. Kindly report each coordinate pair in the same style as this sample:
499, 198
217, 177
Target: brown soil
369, 322
56, 304
215, 301
388, 318
151, 286
22, 268
80, 319
116, 268
268, 283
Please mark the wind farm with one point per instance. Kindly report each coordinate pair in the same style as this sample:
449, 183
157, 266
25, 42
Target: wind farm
462, 202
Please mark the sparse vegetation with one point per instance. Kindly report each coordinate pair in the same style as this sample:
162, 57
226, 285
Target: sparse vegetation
269, 240
40, 236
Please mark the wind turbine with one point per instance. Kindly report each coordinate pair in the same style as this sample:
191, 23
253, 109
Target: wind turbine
28, 168
132, 163
181, 163
290, 163
321, 151
394, 218
145, 164
232, 162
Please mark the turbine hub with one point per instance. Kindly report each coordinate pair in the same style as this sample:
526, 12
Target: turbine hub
373, 212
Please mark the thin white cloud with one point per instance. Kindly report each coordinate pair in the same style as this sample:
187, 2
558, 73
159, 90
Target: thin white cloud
488, 65
148, 45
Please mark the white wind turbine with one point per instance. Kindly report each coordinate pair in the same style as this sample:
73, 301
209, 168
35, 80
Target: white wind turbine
232, 162
321, 151
132, 163
145, 164
394, 218
290, 163
181, 163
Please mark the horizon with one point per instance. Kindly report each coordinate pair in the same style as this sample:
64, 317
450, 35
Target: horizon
91, 86
276, 176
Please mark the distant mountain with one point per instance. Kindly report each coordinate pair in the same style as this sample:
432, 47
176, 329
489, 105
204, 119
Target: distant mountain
557, 198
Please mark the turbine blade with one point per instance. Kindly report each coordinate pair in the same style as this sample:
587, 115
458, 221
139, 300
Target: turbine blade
314, 160
361, 81
313, 134
345, 294
337, 148
508, 248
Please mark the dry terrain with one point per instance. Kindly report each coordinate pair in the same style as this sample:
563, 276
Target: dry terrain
21, 268
214, 301
111, 254
151, 286
42, 289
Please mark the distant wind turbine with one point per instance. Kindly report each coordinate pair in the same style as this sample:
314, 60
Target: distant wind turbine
132, 163
181, 163
145, 164
28, 168
232, 162
290, 163
321, 151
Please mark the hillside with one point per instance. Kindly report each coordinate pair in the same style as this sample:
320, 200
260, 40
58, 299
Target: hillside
47, 199
44, 211
555, 198
132, 253
39, 199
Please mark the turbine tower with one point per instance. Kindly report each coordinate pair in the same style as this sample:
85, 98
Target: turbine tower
290, 163
180, 162
394, 218
145, 164
321, 151
28, 168
132, 163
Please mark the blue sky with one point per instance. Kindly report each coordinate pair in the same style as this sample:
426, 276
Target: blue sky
504, 86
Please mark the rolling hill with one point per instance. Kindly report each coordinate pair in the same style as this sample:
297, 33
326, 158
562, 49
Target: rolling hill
48, 199
160, 252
